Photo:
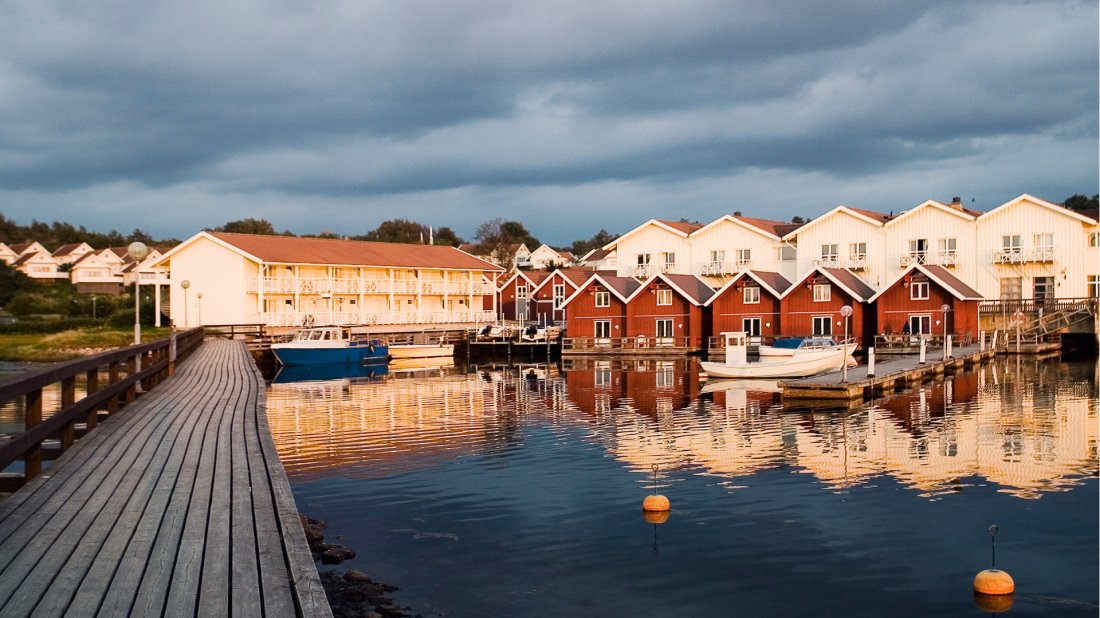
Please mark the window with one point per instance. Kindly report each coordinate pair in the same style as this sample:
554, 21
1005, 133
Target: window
1044, 288
1012, 288
1012, 241
559, 295
603, 328
602, 373
668, 261
666, 374
918, 250
918, 290
664, 298
752, 295
920, 324
717, 257
785, 254
823, 325
857, 250
1094, 286
744, 256
1094, 239
603, 299
948, 245
822, 292
643, 259
664, 329
751, 326
1044, 241
830, 252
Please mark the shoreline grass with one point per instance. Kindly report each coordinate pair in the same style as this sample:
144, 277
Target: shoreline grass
70, 344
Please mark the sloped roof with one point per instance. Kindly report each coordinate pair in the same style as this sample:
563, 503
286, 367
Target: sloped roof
597, 254
775, 283
623, 286
941, 276
767, 225
295, 250
683, 226
1084, 218
881, 217
948, 208
35, 255
20, 247
693, 288
843, 278
67, 249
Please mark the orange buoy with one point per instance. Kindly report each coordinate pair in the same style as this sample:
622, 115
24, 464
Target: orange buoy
993, 603
656, 503
994, 582
655, 517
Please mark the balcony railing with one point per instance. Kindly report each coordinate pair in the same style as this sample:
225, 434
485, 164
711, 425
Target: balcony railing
857, 261
947, 258
643, 271
641, 342
324, 286
370, 318
828, 261
1042, 254
1014, 255
915, 257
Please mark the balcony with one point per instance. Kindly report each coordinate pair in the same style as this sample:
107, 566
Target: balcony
371, 318
858, 261
1012, 255
828, 261
320, 286
915, 257
1042, 254
947, 258
643, 271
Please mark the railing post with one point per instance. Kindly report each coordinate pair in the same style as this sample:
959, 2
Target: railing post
91, 385
923, 348
870, 362
68, 398
33, 457
172, 351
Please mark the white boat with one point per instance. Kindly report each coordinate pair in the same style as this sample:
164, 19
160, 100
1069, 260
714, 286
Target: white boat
803, 363
400, 351
328, 345
810, 343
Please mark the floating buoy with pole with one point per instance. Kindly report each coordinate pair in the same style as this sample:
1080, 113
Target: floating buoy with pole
993, 581
656, 503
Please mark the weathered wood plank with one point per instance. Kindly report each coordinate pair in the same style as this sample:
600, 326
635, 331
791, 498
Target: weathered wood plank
247, 590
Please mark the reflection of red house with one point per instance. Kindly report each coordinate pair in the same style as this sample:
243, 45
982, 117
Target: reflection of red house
648, 387
670, 307
548, 298
812, 306
916, 297
598, 307
515, 294
749, 302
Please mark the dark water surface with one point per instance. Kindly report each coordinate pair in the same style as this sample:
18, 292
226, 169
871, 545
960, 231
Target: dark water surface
508, 492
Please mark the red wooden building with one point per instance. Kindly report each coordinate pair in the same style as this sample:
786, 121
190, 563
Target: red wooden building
913, 301
668, 310
514, 294
812, 306
547, 300
750, 303
598, 308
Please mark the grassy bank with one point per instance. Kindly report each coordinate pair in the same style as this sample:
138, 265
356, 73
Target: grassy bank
70, 344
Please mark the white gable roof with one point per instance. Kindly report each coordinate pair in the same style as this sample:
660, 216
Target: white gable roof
1045, 204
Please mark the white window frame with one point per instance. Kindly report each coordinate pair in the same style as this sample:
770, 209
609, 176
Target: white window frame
559, 295
857, 250
919, 290
920, 319
601, 325
830, 252
823, 292
1015, 284
668, 260
603, 298
521, 291
743, 256
664, 298
751, 295
1093, 286
752, 326
664, 328
818, 321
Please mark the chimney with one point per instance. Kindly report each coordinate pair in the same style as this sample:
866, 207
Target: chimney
737, 213
957, 203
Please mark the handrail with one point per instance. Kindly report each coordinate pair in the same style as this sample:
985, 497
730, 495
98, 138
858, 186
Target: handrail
157, 360
638, 342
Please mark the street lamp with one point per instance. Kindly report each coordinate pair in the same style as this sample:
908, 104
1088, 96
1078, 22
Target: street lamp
137, 252
199, 296
845, 311
93, 306
945, 308
185, 284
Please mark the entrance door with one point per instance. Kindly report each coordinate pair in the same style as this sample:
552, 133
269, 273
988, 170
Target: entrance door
603, 333
664, 333
1044, 288
751, 326
920, 324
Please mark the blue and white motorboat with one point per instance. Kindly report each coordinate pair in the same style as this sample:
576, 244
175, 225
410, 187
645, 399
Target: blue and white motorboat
787, 347
329, 345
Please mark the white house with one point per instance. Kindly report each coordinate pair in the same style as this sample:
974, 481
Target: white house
91, 273
844, 237
290, 281
546, 256
933, 233
1033, 249
68, 254
7, 255
734, 243
653, 247
600, 259
24, 248
39, 265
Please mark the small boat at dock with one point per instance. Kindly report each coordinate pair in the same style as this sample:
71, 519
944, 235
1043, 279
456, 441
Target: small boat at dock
421, 345
328, 345
788, 347
799, 365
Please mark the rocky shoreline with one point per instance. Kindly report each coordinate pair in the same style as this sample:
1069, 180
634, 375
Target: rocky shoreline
351, 594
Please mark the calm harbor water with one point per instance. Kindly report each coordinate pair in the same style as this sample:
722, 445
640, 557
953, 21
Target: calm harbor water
517, 491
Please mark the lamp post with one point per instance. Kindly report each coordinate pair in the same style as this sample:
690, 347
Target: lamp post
199, 296
137, 252
93, 306
845, 311
945, 308
185, 284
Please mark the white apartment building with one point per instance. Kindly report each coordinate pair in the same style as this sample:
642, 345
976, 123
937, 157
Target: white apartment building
933, 233
654, 247
844, 237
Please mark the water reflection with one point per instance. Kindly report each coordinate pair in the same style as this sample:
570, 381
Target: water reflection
1030, 428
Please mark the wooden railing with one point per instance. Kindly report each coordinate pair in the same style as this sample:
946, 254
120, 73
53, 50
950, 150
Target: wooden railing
628, 343
120, 368
912, 342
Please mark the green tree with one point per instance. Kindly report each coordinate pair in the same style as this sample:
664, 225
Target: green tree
398, 230
248, 226
1082, 203
447, 236
581, 247
12, 282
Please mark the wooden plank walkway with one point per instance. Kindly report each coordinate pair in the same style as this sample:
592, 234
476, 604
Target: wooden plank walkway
890, 372
177, 505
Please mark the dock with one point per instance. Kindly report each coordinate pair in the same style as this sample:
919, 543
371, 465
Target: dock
894, 372
177, 504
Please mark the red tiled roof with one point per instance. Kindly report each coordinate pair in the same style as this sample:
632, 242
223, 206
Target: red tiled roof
767, 225
950, 280
67, 249
295, 250
872, 214
682, 226
597, 254
576, 276
624, 286
697, 290
773, 280
20, 247
850, 280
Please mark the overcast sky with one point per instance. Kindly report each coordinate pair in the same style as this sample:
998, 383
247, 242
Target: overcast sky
335, 115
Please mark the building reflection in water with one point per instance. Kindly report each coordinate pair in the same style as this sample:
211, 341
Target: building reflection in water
1030, 428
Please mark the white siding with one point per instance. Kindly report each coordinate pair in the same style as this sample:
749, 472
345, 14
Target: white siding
221, 276
653, 240
842, 228
933, 224
729, 237
1073, 260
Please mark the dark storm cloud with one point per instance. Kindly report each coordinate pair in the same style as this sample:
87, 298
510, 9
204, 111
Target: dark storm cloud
286, 103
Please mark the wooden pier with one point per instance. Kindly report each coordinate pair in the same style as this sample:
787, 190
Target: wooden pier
895, 372
175, 505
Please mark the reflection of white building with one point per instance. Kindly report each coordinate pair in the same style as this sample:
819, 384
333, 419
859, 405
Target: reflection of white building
290, 281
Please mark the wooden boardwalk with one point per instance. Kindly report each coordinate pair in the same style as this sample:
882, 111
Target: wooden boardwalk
177, 505
890, 372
